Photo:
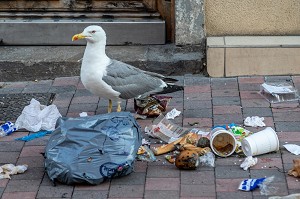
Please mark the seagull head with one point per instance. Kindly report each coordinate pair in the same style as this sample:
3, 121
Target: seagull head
93, 34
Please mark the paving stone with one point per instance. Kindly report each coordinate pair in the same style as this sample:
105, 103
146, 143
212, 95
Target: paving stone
66, 81
225, 93
287, 126
3, 182
85, 99
194, 105
228, 185
197, 190
289, 136
18, 195
268, 163
63, 96
38, 87
197, 96
32, 173
61, 191
275, 78
126, 191
252, 79
230, 172
90, 194
13, 136
23, 186
227, 119
218, 101
104, 186
11, 157
261, 112
198, 113
194, 80
163, 172
234, 195
11, 90
32, 151
62, 89
197, 89
32, 161
250, 95
82, 108
197, 122
15, 146
255, 103
224, 83
290, 116
161, 194
227, 109
132, 179
197, 177
292, 182
260, 173
162, 184
249, 87
231, 160
42, 141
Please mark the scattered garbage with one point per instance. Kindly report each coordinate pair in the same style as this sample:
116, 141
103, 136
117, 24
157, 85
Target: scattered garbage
145, 154
36, 117
7, 128
262, 183
7, 170
295, 171
151, 106
92, 149
254, 121
34, 136
222, 142
278, 92
83, 114
293, 148
172, 114
208, 159
248, 162
262, 142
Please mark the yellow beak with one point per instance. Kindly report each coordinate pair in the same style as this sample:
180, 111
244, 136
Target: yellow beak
78, 36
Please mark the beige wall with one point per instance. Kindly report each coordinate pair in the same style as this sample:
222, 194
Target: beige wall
252, 17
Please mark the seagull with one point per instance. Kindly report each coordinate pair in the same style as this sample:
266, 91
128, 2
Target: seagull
116, 80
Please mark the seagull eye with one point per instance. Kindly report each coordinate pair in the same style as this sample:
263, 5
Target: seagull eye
93, 31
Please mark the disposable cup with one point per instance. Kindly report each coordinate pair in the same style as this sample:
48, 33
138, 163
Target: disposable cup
222, 142
262, 142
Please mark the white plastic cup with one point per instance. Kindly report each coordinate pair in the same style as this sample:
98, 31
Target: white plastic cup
222, 142
262, 142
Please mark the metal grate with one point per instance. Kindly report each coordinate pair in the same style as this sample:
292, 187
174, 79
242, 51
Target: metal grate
11, 105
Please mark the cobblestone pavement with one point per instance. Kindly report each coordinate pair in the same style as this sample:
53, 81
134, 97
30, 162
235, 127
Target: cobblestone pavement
206, 101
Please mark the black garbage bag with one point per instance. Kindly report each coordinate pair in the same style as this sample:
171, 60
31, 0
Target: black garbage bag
92, 149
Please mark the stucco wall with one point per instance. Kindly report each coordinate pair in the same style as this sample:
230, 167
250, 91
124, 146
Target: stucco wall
252, 17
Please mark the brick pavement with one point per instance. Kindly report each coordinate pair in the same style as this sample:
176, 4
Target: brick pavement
204, 102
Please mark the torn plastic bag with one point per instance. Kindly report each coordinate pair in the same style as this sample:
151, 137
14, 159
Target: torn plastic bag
91, 149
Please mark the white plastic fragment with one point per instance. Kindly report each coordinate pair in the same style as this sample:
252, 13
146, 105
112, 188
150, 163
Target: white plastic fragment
83, 114
7, 170
293, 148
36, 117
248, 162
254, 121
172, 114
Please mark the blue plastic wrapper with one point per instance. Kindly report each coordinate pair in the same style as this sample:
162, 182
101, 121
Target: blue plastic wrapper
34, 136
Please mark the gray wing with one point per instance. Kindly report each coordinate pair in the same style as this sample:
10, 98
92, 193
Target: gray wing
131, 82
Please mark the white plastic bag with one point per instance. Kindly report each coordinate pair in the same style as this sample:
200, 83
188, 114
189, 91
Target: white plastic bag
36, 117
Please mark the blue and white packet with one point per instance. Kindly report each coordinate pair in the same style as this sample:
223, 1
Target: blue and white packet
251, 184
262, 183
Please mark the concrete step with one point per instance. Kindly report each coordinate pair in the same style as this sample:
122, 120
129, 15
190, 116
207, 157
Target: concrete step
253, 55
59, 31
29, 63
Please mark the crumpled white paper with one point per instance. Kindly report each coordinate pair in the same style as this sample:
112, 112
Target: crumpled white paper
248, 162
293, 148
254, 121
83, 114
173, 113
9, 169
36, 117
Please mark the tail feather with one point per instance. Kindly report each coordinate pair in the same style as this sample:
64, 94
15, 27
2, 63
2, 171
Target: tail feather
170, 89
